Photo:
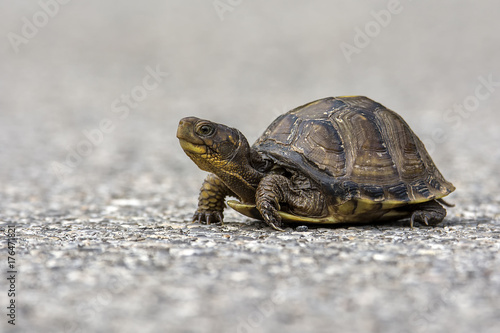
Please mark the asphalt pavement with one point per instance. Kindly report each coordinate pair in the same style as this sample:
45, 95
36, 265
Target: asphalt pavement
96, 195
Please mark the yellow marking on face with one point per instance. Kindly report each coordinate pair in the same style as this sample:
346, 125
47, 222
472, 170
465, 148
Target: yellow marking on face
189, 147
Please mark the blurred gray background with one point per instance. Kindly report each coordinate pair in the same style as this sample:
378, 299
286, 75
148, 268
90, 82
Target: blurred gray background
82, 172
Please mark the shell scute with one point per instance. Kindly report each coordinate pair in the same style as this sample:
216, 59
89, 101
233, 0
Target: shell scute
355, 148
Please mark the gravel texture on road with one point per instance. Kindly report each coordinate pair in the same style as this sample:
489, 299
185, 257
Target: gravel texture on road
101, 195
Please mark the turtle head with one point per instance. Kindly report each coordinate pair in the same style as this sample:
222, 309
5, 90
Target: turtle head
223, 151
213, 147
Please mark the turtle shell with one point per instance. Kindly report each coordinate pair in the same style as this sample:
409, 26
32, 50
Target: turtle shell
354, 148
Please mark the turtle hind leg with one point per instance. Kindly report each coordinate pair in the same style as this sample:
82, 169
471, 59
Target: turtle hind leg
430, 213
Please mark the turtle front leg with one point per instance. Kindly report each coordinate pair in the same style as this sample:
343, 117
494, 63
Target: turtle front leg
211, 200
276, 190
268, 196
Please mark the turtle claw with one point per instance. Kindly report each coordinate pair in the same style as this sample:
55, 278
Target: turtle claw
271, 216
418, 216
208, 217
425, 217
275, 227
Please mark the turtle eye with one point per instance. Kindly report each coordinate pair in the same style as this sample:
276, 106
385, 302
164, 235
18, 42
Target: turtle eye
205, 130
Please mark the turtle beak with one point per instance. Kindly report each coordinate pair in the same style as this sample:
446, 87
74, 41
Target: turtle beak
185, 130
189, 141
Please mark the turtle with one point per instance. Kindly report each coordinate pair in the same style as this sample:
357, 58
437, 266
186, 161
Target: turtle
336, 160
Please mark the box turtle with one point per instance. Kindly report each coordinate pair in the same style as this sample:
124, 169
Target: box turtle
342, 159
